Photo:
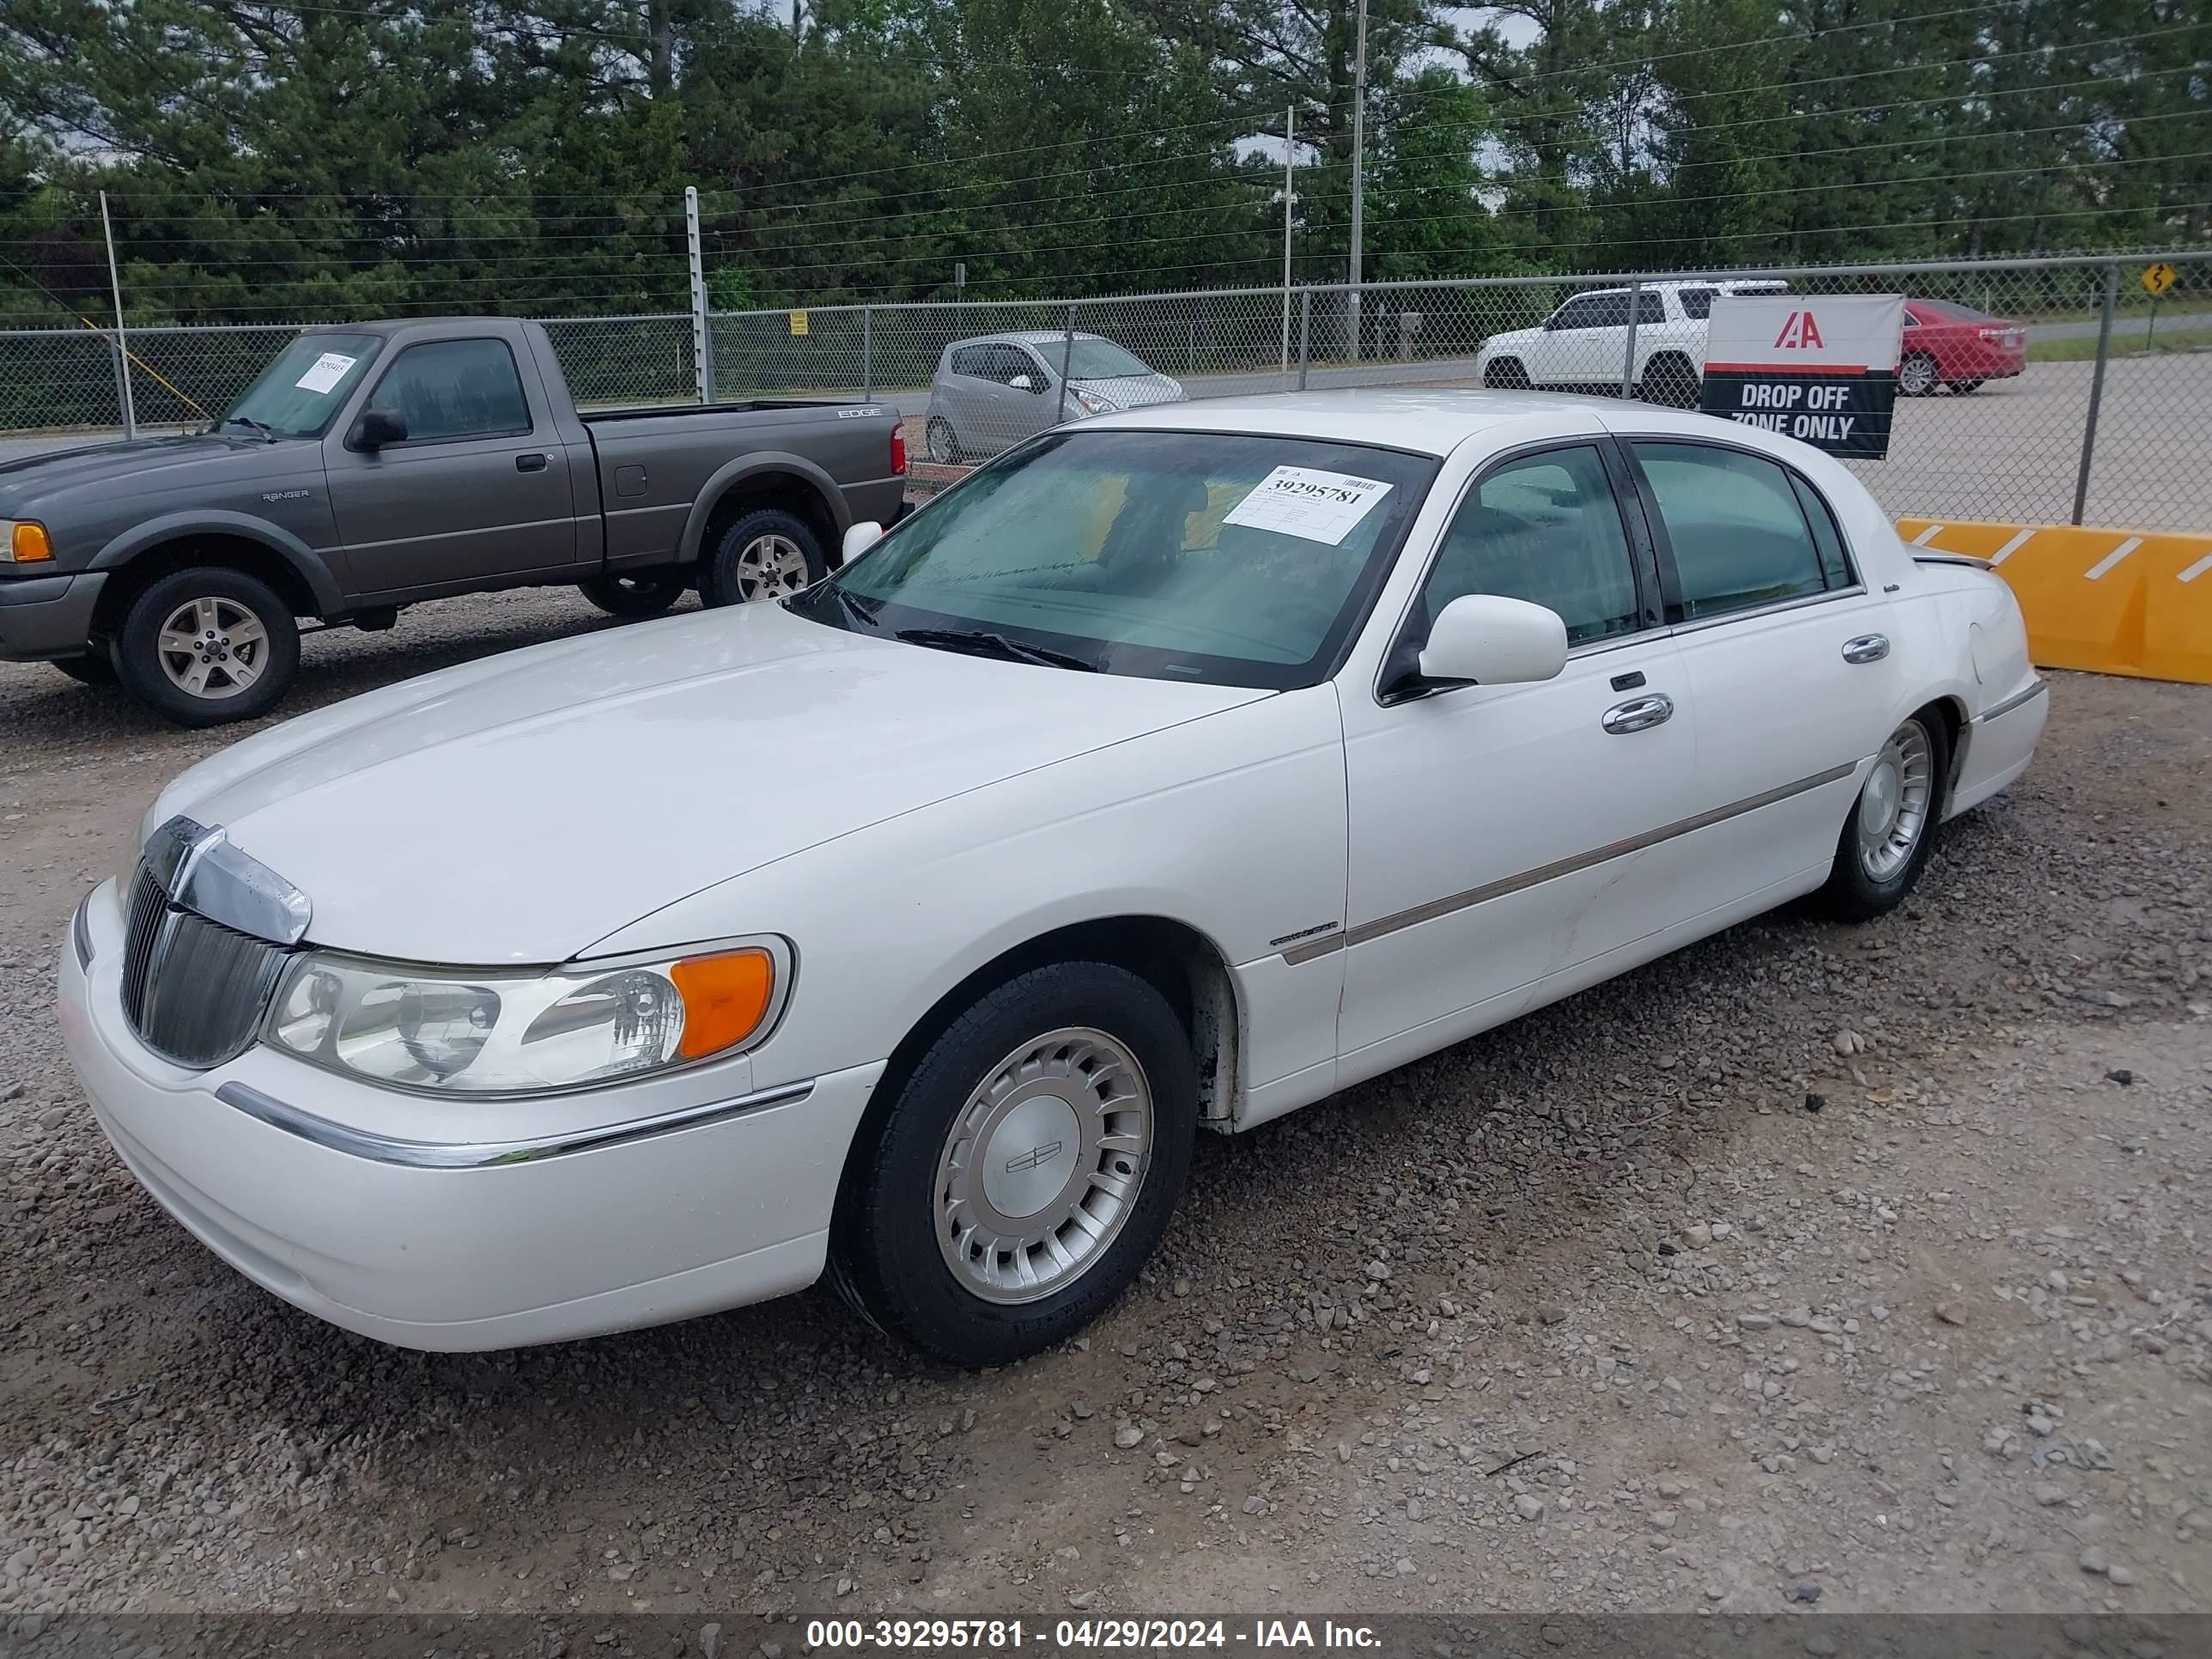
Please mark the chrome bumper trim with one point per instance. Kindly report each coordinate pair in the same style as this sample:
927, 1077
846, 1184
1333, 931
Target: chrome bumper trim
489, 1154
2012, 702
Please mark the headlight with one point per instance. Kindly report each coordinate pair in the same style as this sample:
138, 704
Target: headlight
452, 1031
1092, 401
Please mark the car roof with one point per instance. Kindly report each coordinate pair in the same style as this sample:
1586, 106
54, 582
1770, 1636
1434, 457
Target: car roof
1436, 421
1023, 337
1722, 284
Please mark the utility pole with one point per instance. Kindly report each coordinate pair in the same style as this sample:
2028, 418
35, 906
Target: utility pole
1359, 161
122, 348
1290, 155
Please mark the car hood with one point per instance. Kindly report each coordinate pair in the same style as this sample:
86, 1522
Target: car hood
520, 808
145, 467
1132, 390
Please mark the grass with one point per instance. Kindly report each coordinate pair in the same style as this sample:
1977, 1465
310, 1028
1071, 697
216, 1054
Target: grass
2127, 342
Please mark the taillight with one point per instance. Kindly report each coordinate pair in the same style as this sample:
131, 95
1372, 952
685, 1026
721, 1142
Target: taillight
898, 451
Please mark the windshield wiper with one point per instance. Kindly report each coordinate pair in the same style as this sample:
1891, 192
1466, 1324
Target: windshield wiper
979, 642
860, 611
268, 432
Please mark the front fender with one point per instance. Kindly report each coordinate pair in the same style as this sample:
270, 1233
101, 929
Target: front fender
329, 596
754, 465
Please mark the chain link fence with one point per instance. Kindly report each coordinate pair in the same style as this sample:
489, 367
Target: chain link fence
2037, 390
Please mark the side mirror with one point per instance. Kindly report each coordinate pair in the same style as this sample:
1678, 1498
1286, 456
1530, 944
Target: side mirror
1485, 639
1022, 383
380, 426
860, 538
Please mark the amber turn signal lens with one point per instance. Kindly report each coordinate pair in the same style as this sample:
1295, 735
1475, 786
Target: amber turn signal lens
29, 544
725, 998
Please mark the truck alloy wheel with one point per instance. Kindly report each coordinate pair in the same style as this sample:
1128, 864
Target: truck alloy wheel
766, 554
208, 645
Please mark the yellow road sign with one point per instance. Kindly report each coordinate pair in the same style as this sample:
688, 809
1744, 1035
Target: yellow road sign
2157, 278
798, 322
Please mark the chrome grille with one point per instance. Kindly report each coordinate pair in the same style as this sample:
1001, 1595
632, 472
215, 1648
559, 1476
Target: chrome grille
193, 990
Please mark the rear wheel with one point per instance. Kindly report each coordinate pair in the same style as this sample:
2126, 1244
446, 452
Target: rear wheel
93, 668
1026, 1167
639, 593
207, 646
1886, 838
1917, 377
944, 442
766, 554
1506, 374
1965, 388
1669, 379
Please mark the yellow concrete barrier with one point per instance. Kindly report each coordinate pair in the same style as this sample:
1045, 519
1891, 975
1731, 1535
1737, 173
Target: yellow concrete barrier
2110, 601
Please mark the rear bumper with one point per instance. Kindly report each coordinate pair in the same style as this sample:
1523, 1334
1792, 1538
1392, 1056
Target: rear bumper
1998, 743
42, 617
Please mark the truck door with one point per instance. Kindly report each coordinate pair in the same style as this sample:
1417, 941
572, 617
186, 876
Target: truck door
478, 488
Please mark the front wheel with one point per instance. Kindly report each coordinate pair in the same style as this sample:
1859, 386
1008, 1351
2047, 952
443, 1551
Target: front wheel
766, 554
1886, 838
639, 593
1026, 1167
207, 646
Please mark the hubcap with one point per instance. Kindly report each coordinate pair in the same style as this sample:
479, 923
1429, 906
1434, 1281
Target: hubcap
1919, 375
213, 649
769, 568
940, 441
1043, 1164
1893, 804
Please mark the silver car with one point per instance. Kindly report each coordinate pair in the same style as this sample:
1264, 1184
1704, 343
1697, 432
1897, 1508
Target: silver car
995, 390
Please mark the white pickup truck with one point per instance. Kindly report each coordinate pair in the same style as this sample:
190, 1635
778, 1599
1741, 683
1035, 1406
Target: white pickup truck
1584, 346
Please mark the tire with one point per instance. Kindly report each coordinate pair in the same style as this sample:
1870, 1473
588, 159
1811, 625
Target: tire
1965, 388
1872, 878
93, 668
765, 554
1917, 376
211, 607
906, 1194
944, 442
1669, 380
639, 593
1506, 374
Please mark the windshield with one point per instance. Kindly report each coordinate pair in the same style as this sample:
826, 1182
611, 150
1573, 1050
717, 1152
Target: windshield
1099, 360
1222, 558
297, 395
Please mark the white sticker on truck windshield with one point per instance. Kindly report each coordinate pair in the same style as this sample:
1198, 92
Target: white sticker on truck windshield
1304, 502
329, 369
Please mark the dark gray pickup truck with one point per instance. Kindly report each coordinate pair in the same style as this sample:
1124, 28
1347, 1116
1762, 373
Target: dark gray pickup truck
372, 465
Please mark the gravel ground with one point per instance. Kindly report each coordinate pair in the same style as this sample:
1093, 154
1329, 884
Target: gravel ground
1810, 1269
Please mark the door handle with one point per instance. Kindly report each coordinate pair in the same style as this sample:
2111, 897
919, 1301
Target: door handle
1640, 714
531, 463
1867, 648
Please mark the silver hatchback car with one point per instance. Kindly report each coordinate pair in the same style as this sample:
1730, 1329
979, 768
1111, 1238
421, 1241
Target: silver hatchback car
995, 390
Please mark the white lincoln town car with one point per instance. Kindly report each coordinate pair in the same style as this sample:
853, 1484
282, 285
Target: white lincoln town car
1174, 771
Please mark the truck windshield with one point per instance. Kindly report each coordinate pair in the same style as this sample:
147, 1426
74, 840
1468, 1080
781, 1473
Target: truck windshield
297, 395
1230, 559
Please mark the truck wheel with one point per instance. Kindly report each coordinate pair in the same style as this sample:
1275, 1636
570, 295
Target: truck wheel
1024, 1168
640, 593
93, 668
207, 646
764, 554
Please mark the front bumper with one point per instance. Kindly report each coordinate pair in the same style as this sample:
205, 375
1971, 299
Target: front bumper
428, 1242
43, 617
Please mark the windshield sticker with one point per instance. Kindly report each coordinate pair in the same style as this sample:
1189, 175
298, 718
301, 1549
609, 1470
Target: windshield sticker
1306, 502
329, 369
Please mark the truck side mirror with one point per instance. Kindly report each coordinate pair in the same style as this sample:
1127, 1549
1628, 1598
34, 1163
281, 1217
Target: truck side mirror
380, 426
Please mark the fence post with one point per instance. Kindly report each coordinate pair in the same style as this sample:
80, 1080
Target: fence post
2096, 389
122, 348
1066, 356
702, 367
867, 354
1628, 358
1305, 332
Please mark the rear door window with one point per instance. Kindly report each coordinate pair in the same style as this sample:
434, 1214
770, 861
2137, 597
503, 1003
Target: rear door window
1739, 530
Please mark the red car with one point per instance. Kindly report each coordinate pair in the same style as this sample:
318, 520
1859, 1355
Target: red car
1947, 344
